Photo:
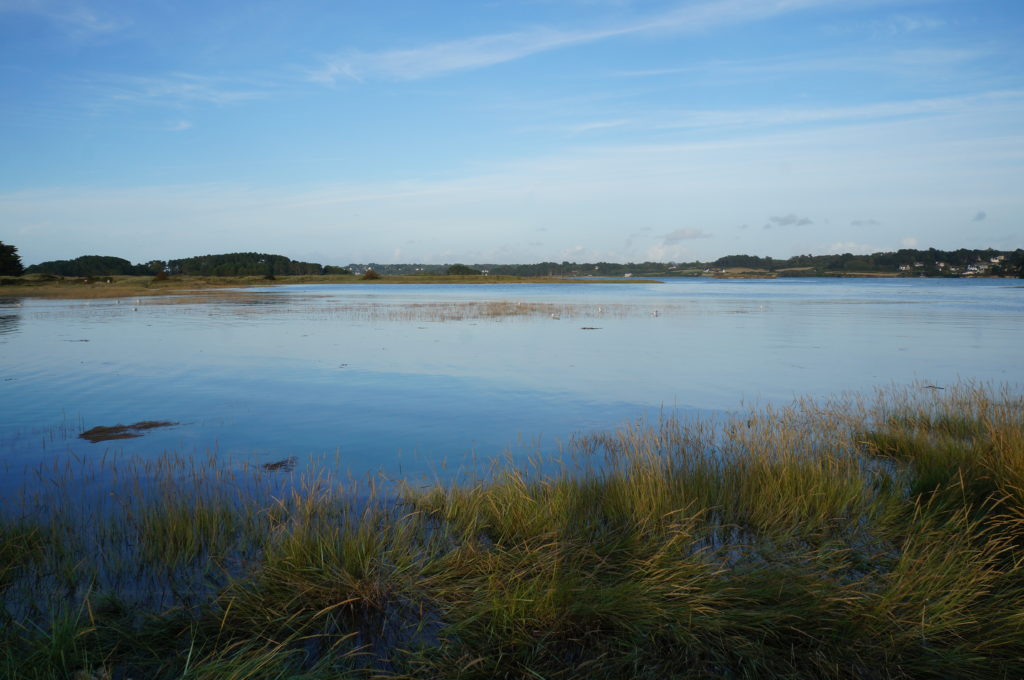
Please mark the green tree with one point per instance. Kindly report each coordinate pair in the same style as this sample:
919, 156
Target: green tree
463, 270
10, 263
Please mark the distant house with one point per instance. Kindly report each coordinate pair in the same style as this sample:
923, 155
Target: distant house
997, 259
904, 267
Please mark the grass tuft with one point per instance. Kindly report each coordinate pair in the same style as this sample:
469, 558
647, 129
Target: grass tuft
844, 539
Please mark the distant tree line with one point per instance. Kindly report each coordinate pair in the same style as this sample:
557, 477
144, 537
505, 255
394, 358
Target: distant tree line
89, 265
930, 262
242, 264
228, 264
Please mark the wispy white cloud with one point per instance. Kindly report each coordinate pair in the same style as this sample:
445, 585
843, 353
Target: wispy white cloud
457, 55
892, 25
581, 128
488, 50
916, 61
902, 23
790, 220
174, 88
679, 235
767, 117
74, 18
179, 126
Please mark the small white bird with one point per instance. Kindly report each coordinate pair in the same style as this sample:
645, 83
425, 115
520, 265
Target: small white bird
654, 313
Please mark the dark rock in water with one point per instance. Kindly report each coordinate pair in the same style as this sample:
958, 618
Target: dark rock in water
286, 465
104, 433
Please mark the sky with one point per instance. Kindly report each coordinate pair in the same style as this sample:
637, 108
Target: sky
509, 131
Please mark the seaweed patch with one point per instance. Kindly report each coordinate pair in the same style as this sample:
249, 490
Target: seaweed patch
102, 433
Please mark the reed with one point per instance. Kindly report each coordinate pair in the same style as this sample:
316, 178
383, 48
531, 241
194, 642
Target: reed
852, 538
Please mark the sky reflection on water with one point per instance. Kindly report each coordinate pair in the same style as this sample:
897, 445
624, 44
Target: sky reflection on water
403, 378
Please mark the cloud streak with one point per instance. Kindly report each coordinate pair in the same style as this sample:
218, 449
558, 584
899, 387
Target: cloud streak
174, 88
488, 50
765, 117
74, 18
790, 220
679, 235
914, 61
456, 55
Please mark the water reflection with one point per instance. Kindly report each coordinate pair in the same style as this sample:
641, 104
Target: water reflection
9, 315
416, 379
8, 323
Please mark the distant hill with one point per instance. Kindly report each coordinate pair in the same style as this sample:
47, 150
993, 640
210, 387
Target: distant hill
227, 264
244, 264
89, 265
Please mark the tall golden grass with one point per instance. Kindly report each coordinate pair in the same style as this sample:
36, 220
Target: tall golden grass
873, 537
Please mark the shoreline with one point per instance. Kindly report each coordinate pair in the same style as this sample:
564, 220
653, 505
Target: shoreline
110, 287
104, 287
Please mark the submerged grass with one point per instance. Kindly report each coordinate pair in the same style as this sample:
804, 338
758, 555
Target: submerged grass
846, 539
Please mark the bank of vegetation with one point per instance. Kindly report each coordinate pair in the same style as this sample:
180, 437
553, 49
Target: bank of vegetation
190, 288
906, 262
846, 539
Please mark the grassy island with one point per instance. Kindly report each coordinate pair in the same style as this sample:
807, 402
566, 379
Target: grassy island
855, 538
60, 287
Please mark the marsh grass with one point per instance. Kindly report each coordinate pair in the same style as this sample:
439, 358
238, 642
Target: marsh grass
851, 538
48, 286
466, 310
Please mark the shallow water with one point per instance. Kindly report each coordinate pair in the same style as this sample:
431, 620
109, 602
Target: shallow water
417, 379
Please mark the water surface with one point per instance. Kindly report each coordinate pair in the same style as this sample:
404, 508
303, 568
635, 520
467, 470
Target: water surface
415, 379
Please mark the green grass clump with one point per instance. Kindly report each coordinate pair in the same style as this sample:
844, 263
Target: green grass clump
842, 539
21, 544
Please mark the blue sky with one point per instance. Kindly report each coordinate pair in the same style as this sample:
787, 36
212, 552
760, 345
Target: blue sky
510, 130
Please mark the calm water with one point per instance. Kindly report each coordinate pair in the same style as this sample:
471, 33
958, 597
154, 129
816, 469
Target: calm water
409, 379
